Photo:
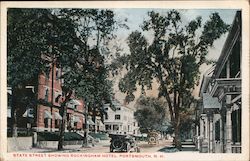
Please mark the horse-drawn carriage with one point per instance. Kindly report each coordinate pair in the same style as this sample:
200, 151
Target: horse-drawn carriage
123, 143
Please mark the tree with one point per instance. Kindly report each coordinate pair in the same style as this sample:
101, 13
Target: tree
150, 113
88, 76
39, 37
26, 44
172, 59
186, 121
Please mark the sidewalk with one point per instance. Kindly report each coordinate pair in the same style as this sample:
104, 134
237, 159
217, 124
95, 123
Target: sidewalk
187, 147
67, 148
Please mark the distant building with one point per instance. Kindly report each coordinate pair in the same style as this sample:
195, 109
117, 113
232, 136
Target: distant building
120, 119
220, 112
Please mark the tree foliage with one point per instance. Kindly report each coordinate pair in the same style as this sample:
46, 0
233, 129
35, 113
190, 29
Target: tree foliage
173, 58
150, 113
39, 37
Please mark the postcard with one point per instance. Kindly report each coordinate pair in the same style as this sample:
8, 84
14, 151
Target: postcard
125, 80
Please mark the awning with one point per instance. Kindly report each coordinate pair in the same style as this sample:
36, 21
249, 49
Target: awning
29, 113
76, 119
75, 102
47, 115
57, 95
9, 90
210, 102
90, 122
58, 116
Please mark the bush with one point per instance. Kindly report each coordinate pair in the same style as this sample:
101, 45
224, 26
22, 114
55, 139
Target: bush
54, 136
24, 134
101, 136
20, 133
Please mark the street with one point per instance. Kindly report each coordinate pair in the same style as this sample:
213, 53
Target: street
144, 147
164, 146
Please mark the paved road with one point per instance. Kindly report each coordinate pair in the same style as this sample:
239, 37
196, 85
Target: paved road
144, 147
103, 147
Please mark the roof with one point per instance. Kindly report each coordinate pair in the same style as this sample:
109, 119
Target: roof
210, 102
233, 35
205, 80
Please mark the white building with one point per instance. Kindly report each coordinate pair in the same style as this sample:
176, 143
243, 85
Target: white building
220, 116
120, 119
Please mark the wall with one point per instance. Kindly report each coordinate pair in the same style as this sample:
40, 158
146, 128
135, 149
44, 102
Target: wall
54, 144
126, 119
19, 143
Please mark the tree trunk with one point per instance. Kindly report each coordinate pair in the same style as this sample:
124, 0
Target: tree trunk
63, 113
177, 139
94, 117
86, 127
175, 119
13, 122
13, 113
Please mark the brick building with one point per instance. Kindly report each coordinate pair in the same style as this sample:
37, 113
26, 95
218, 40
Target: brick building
43, 115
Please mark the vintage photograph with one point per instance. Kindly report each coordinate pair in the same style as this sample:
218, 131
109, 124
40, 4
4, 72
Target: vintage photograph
124, 80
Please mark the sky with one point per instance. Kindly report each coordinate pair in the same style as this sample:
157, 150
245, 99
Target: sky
135, 18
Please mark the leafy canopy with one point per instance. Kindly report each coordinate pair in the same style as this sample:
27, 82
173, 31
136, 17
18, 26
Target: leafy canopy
173, 58
38, 37
150, 113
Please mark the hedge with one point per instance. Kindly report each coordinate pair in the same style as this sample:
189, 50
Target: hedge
101, 136
54, 136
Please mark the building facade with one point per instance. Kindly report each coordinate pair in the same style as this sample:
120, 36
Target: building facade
220, 112
43, 114
120, 119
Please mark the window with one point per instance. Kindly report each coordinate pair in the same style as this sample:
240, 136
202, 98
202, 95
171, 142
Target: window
75, 124
108, 127
117, 117
57, 123
46, 75
46, 122
217, 130
118, 108
115, 127
106, 117
46, 94
57, 74
236, 126
106, 109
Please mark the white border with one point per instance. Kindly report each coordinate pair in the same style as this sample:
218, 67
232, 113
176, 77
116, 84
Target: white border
243, 5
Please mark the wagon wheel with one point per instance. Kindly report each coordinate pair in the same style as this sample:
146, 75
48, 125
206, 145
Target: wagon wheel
152, 139
117, 144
